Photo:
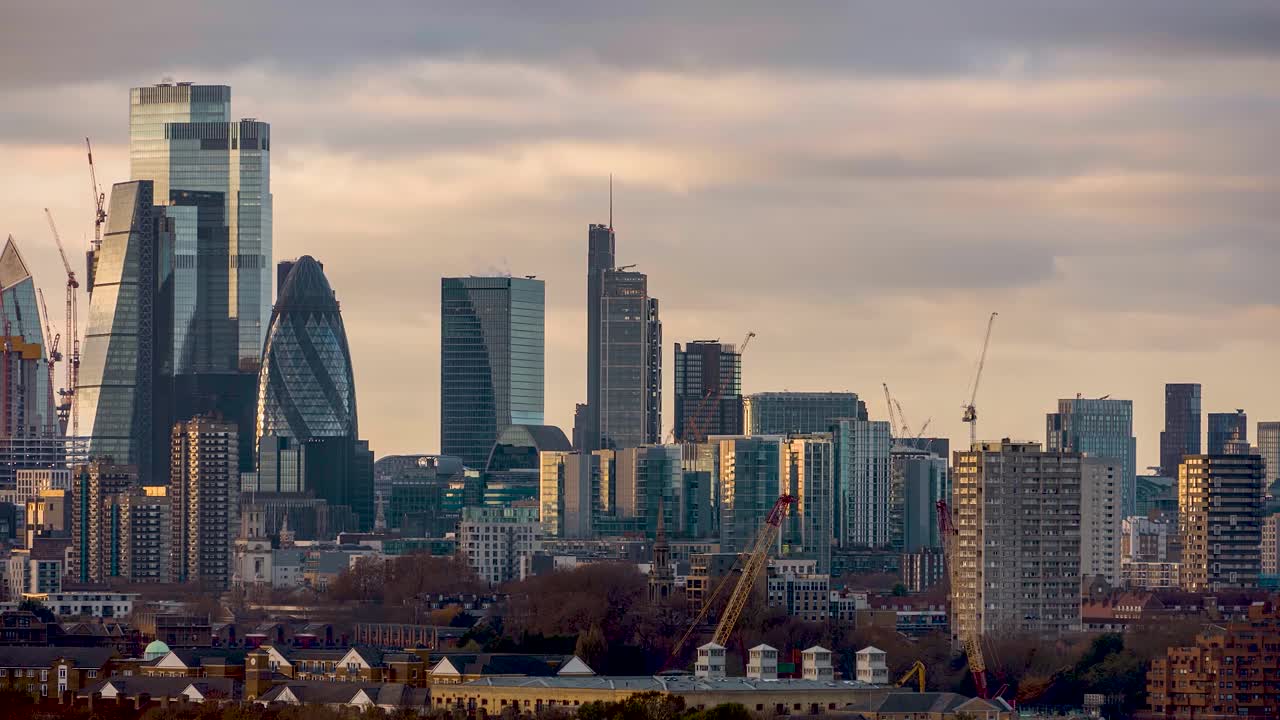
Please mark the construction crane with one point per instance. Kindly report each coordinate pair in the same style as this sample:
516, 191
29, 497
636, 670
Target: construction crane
923, 427
745, 342
971, 410
917, 670
888, 403
99, 217
51, 342
67, 414
969, 634
902, 418
752, 570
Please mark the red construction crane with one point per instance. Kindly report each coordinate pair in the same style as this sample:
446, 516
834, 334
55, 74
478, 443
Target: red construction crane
755, 564
970, 635
67, 406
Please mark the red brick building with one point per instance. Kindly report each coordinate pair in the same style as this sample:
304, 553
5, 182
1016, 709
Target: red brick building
1233, 670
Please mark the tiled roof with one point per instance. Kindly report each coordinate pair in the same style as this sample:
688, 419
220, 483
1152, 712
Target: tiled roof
43, 657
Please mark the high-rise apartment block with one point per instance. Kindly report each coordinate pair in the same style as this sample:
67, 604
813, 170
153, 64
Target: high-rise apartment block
95, 518
1017, 511
809, 468
1100, 518
125, 387
498, 542
780, 413
749, 479
708, 390
203, 485
145, 533
863, 480
1099, 428
1220, 521
1181, 435
491, 361
1228, 433
624, 353
1270, 553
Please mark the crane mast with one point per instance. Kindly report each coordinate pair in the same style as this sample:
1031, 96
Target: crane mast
971, 409
970, 634
888, 403
757, 560
67, 405
55, 355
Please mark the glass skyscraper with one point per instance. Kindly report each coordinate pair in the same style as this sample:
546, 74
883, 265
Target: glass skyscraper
1099, 428
29, 405
218, 174
1269, 448
123, 395
1181, 435
491, 361
624, 353
708, 391
1228, 433
800, 412
863, 473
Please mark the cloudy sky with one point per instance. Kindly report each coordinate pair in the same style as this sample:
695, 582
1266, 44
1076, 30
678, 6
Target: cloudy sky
858, 184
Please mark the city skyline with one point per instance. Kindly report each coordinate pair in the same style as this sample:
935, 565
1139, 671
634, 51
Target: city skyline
1125, 207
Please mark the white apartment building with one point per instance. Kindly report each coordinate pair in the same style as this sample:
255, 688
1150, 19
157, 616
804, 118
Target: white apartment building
497, 541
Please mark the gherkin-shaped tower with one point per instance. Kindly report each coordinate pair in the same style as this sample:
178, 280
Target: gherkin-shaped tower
306, 390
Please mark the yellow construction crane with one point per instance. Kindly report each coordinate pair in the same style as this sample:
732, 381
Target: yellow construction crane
969, 633
917, 670
970, 409
752, 570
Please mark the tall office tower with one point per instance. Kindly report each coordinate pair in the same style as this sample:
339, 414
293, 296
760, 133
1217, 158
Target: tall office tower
918, 479
1017, 510
1181, 435
1100, 518
708, 390
95, 518
1228, 433
1098, 428
648, 484
491, 361
772, 413
202, 487
1220, 502
307, 392
862, 482
1269, 449
214, 174
145, 533
574, 493
809, 477
749, 475
624, 353
125, 380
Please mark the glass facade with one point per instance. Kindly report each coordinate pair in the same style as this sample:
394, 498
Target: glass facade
1228, 433
749, 473
1099, 428
491, 361
918, 480
1181, 435
800, 412
810, 478
124, 354
182, 138
708, 390
306, 388
1269, 448
624, 354
862, 482
32, 411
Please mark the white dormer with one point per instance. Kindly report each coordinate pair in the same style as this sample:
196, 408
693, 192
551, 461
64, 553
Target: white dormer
444, 668
576, 668
763, 663
816, 662
711, 662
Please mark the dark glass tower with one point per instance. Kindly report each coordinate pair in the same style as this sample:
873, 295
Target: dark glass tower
1181, 435
491, 361
708, 390
624, 353
1228, 433
1101, 428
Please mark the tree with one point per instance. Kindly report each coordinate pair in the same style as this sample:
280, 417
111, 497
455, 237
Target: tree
37, 608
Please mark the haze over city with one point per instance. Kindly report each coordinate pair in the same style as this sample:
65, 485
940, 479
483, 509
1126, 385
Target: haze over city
859, 185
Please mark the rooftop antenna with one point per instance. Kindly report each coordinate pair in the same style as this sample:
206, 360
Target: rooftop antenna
610, 202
